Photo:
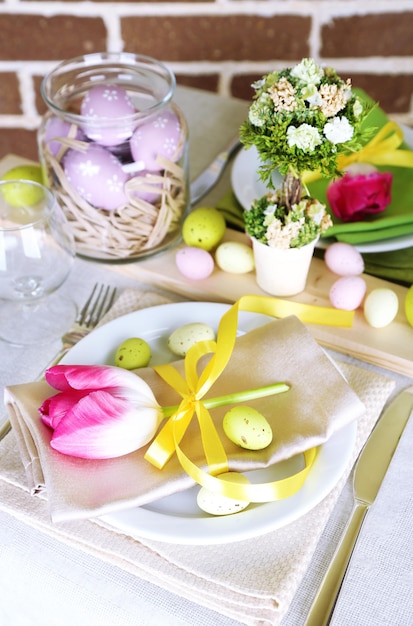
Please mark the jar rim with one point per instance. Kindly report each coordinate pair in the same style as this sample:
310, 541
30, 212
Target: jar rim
98, 61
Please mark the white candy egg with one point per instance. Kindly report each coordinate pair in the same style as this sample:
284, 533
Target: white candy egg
97, 176
380, 307
343, 259
158, 136
348, 292
105, 106
187, 335
235, 257
217, 504
194, 263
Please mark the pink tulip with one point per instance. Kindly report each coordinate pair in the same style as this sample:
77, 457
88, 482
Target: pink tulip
356, 196
101, 411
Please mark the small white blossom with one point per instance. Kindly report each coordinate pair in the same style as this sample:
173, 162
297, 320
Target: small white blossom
308, 72
260, 109
312, 95
305, 137
357, 108
338, 130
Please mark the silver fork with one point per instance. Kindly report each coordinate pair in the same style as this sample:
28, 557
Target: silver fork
96, 306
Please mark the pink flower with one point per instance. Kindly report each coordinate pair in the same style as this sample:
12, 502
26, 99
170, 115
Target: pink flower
355, 196
101, 411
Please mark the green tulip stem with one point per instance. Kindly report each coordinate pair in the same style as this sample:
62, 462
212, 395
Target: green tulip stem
234, 398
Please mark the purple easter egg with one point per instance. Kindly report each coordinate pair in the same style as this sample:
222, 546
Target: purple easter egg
97, 176
105, 106
158, 136
56, 127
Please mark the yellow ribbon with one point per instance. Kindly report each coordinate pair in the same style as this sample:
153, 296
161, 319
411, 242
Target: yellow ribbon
383, 149
193, 387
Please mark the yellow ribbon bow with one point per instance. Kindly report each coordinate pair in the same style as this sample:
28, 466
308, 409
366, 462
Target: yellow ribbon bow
193, 387
383, 149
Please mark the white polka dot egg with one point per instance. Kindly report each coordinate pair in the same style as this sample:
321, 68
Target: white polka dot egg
97, 176
104, 106
157, 137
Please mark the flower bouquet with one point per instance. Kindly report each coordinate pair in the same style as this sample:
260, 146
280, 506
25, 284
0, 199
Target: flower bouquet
301, 119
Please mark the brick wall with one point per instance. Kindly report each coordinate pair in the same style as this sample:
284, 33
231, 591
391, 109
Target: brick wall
219, 46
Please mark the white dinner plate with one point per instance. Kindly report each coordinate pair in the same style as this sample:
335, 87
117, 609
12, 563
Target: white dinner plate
247, 186
177, 518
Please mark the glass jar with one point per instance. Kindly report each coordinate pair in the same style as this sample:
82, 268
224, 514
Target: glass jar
114, 149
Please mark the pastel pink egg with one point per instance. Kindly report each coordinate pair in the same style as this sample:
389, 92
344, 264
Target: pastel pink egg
105, 106
158, 136
344, 259
55, 128
194, 263
348, 292
97, 176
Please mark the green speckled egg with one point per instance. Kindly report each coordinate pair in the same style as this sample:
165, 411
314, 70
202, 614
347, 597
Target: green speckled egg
203, 228
247, 428
187, 335
133, 353
216, 504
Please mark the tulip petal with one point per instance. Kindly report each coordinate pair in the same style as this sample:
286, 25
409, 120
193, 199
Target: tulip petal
104, 426
56, 407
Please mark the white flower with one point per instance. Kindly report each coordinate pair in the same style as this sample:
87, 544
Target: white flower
304, 137
260, 109
311, 94
357, 108
338, 130
308, 72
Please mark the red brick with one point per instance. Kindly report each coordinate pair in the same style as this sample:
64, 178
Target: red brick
10, 101
384, 34
207, 82
60, 37
241, 85
218, 38
19, 141
393, 92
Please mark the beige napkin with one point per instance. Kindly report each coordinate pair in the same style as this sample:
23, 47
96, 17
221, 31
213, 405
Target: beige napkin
251, 581
319, 403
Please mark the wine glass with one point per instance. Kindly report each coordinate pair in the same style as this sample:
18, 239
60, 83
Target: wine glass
36, 255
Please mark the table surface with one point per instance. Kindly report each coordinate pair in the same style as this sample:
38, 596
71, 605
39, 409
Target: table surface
39, 575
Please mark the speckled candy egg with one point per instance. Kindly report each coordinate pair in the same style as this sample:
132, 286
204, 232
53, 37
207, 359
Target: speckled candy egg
159, 135
104, 103
343, 259
97, 176
133, 353
55, 127
194, 263
348, 292
184, 337
247, 428
217, 504
381, 307
235, 257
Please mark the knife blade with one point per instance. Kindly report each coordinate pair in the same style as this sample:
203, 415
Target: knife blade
210, 176
369, 472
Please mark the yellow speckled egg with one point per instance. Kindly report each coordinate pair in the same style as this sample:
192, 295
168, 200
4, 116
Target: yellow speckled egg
247, 427
235, 257
187, 335
133, 353
203, 228
216, 504
380, 307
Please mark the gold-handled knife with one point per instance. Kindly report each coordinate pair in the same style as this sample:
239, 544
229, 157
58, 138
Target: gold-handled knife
369, 472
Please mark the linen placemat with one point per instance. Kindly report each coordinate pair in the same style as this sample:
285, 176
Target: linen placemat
252, 581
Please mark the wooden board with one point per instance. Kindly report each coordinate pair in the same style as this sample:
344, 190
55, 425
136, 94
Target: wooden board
390, 347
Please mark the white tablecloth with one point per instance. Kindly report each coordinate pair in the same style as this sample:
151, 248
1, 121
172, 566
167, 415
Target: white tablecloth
44, 582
